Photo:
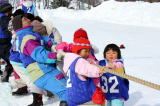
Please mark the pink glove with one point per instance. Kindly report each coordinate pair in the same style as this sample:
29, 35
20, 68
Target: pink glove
61, 46
64, 46
118, 64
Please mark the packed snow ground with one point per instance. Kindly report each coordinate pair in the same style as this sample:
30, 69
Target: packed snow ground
142, 53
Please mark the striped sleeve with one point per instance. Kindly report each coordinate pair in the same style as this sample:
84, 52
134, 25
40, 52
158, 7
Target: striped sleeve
31, 46
47, 41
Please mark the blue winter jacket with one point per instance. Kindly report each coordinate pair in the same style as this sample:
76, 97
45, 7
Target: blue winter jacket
35, 58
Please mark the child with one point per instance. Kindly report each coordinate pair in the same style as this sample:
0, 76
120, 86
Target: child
37, 60
22, 80
114, 87
80, 86
65, 47
21, 75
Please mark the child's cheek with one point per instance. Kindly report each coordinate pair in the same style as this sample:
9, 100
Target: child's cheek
107, 57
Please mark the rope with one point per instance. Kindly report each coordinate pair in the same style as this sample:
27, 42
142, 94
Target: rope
132, 78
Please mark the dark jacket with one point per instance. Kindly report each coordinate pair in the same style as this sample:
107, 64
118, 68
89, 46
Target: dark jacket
5, 34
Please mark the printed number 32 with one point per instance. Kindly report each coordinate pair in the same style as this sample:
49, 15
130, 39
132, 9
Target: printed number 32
113, 87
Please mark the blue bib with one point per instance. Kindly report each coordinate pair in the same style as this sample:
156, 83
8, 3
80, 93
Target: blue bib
78, 91
28, 10
114, 86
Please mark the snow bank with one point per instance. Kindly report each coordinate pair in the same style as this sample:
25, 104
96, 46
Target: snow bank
130, 13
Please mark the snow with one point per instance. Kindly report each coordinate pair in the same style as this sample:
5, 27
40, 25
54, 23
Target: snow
130, 13
136, 25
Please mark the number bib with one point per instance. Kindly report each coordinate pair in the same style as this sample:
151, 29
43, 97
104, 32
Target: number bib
28, 10
78, 91
113, 86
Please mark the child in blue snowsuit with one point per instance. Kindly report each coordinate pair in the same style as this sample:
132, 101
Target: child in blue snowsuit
21, 71
37, 60
115, 88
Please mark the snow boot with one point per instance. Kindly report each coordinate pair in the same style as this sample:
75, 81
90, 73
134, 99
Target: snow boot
6, 74
21, 91
63, 103
37, 100
1, 72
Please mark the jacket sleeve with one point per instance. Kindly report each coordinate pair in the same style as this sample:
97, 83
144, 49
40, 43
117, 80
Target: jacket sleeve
84, 68
48, 41
32, 47
4, 25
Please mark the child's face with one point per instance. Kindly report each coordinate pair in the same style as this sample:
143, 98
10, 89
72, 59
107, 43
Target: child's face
26, 22
111, 55
84, 53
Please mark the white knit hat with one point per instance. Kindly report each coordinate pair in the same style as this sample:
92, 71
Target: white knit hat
49, 26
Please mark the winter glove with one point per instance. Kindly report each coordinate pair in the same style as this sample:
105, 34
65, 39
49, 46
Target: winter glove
66, 47
60, 56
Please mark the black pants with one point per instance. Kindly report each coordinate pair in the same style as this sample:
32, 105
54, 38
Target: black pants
5, 46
